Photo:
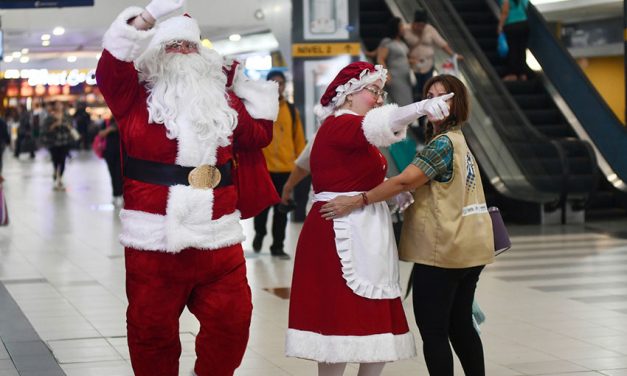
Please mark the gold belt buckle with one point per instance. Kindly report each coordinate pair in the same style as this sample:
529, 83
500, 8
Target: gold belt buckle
204, 177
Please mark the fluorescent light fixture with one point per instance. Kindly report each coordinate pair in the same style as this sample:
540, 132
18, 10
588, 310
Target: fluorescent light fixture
16, 54
71, 59
45, 43
235, 37
45, 37
24, 59
24, 51
8, 59
58, 30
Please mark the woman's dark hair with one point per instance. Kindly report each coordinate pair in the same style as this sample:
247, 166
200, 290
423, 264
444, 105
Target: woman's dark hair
275, 73
392, 29
460, 108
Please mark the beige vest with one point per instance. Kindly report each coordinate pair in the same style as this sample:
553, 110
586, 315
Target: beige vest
448, 225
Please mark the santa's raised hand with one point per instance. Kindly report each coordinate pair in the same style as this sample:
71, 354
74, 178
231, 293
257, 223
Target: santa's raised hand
160, 8
435, 108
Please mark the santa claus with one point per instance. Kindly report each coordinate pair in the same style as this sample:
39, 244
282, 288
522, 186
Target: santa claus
191, 133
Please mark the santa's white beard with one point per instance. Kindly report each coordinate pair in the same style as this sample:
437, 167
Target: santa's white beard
193, 85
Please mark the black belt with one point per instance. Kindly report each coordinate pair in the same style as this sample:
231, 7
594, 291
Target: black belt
168, 174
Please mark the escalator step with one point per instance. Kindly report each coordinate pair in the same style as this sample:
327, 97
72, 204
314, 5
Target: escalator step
483, 30
475, 17
487, 44
377, 5
554, 131
532, 101
372, 17
544, 116
521, 87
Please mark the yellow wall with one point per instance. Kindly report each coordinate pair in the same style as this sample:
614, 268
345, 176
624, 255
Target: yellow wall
607, 74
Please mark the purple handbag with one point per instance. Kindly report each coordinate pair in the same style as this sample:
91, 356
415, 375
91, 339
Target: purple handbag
501, 237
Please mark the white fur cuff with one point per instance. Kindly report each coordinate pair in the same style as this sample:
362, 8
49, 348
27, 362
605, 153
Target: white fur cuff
124, 41
385, 347
377, 126
261, 98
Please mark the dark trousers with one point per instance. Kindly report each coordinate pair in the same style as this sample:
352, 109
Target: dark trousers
517, 35
279, 219
58, 155
22, 143
115, 171
421, 80
443, 310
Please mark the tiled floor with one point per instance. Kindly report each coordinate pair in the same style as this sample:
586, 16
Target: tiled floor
556, 304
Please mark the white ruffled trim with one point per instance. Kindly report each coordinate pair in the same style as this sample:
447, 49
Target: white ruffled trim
123, 41
353, 85
385, 347
150, 232
377, 126
261, 98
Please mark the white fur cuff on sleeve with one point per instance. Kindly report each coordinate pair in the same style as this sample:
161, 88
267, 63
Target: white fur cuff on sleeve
124, 41
377, 126
261, 98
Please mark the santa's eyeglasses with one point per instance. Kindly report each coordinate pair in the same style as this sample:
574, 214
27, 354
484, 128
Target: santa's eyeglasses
181, 46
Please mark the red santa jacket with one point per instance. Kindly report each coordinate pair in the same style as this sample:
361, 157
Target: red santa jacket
170, 219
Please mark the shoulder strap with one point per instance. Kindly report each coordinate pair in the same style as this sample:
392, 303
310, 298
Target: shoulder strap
290, 106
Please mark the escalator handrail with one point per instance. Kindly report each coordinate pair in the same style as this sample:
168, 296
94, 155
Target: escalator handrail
602, 126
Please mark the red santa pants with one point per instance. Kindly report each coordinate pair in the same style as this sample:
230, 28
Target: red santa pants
212, 284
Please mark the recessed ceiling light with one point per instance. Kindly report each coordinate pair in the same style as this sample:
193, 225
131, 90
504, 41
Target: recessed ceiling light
24, 59
8, 59
58, 30
207, 43
45, 43
71, 59
16, 54
259, 14
235, 37
45, 37
24, 51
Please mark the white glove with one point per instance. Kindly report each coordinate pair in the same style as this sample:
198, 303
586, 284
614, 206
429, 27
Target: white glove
435, 108
160, 8
403, 200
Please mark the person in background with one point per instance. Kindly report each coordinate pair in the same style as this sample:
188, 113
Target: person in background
82, 121
392, 55
345, 301
58, 138
513, 21
5, 139
288, 140
25, 141
112, 156
447, 233
422, 38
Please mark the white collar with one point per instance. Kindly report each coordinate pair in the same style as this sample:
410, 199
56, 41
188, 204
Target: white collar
344, 111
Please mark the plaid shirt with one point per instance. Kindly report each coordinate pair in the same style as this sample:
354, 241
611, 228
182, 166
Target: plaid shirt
436, 159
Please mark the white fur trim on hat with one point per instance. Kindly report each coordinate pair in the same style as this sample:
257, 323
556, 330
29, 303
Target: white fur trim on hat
385, 347
261, 98
175, 28
377, 126
124, 41
353, 85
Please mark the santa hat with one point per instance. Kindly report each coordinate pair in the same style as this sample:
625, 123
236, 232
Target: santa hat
352, 78
176, 28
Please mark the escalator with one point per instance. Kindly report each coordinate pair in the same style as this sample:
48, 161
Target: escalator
535, 98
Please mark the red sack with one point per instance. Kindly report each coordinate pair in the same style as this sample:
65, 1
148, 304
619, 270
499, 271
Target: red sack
255, 190
98, 146
4, 214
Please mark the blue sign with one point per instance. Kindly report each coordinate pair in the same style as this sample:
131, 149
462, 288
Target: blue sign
16, 4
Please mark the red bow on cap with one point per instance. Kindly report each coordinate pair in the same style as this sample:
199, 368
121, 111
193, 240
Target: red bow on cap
352, 70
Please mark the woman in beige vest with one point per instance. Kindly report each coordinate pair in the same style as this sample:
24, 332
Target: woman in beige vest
447, 234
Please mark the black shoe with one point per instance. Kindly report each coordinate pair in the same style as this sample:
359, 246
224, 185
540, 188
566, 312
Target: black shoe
281, 255
257, 242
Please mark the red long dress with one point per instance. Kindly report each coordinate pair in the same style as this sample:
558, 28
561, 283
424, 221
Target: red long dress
328, 322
